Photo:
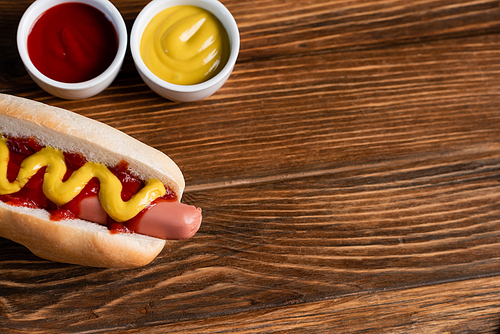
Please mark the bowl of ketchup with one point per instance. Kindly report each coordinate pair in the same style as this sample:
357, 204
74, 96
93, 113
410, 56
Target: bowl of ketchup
185, 50
72, 49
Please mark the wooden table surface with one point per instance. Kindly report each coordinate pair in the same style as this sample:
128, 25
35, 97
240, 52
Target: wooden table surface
348, 171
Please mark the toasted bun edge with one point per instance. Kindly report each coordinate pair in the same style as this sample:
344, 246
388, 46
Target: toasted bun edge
76, 241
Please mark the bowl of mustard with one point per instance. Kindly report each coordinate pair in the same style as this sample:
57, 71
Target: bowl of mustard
185, 50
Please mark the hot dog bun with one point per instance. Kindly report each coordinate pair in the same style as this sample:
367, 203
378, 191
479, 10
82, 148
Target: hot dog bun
78, 241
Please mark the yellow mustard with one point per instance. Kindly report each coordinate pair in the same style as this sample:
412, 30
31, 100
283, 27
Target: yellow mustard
185, 45
61, 192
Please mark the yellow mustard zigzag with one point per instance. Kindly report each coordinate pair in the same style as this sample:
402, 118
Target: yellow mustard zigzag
61, 192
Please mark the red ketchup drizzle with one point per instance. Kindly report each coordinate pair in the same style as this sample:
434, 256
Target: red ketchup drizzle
32, 195
72, 42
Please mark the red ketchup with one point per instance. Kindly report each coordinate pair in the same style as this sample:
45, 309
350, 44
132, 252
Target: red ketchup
72, 42
32, 195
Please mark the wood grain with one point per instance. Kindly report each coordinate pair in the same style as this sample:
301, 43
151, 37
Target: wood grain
458, 307
348, 173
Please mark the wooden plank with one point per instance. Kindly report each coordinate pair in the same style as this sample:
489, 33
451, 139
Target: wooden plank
275, 29
458, 307
469, 306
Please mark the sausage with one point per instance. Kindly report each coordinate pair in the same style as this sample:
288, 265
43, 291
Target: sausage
169, 220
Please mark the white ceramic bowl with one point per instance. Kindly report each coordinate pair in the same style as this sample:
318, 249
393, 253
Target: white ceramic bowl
80, 90
184, 93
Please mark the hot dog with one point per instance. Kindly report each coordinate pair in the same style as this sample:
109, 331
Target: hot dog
119, 199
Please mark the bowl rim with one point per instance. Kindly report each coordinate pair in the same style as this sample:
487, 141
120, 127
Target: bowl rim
40, 6
156, 6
